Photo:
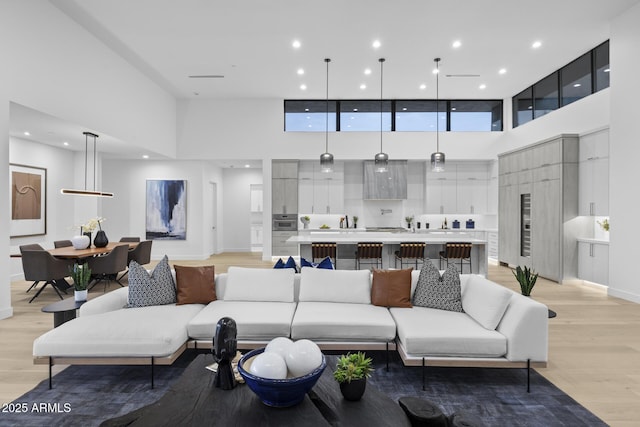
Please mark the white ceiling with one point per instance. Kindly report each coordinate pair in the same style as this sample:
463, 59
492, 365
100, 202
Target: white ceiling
249, 42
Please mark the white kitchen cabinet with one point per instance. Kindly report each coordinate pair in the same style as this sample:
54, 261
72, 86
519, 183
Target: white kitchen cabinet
472, 187
441, 192
594, 174
321, 192
492, 244
280, 246
593, 262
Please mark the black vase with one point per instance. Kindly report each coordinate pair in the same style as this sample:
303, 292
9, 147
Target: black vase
100, 241
353, 390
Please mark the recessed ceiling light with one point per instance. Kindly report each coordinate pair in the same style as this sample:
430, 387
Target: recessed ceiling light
482, 86
306, 109
577, 85
308, 117
247, 166
309, 126
453, 108
376, 44
300, 71
423, 86
456, 44
303, 87
530, 107
404, 108
436, 71
606, 70
536, 44
144, 156
367, 71
355, 109
296, 44
363, 86
26, 133
66, 144
502, 71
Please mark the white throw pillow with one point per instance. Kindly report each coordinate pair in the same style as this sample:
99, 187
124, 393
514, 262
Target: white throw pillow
485, 301
348, 286
259, 284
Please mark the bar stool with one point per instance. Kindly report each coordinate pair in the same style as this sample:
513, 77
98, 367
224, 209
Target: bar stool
410, 251
321, 250
370, 253
457, 250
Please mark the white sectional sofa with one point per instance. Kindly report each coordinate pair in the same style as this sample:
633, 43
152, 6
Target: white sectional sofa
331, 307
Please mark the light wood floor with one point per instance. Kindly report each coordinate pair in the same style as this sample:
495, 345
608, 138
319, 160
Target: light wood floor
594, 343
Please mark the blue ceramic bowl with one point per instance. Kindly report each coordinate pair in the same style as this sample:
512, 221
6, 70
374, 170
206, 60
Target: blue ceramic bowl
279, 393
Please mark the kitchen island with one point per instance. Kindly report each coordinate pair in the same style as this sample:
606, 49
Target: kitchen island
347, 240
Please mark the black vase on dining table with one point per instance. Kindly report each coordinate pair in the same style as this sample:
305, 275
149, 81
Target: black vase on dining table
100, 241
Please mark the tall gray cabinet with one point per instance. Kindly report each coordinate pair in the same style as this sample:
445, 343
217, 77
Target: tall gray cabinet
537, 206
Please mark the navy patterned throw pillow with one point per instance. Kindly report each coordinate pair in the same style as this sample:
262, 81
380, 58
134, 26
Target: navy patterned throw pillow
157, 288
434, 291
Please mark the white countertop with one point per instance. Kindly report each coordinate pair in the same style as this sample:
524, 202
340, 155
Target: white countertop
343, 236
594, 241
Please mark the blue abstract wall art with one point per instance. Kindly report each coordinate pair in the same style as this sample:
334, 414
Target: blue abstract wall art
166, 210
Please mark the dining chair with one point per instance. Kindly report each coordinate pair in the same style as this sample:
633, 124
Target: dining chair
106, 268
455, 251
130, 239
410, 251
31, 247
41, 266
140, 254
369, 252
62, 243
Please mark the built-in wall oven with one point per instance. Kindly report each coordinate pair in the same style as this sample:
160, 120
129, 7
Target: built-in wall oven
285, 222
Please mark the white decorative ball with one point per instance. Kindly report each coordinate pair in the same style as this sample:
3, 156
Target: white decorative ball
304, 357
269, 365
279, 345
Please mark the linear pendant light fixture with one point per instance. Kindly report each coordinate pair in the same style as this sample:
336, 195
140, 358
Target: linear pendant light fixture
437, 158
326, 158
85, 192
381, 159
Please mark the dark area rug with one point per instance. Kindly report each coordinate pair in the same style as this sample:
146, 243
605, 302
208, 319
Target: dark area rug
88, 395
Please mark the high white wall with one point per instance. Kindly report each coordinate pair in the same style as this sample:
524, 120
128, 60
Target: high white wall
125, 213
624, 153
53, 65
237, 208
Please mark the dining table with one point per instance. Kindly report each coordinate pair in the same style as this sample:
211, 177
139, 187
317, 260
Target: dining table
69, 252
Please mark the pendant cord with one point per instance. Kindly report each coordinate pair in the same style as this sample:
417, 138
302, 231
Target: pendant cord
326, 121
437, 104
381, 80
86, 154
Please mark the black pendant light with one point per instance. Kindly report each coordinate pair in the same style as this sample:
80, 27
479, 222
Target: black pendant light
437, 158
326, 158
381, 159
86, 192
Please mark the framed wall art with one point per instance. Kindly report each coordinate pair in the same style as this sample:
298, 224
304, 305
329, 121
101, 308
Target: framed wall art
28, 192
166, 209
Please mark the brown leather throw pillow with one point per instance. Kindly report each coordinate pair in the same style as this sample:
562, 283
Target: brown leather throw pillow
196, 285
391, 288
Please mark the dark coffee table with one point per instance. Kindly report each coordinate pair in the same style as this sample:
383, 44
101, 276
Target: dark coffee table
63, 311
193, 400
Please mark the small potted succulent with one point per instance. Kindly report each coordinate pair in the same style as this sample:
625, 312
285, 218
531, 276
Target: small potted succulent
81, 275
527, 279
355, 221
305, 220
352, 371
409, 220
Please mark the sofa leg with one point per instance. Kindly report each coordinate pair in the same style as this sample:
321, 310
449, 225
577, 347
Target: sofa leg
528, 375
50, 368
387, 356
152, 369
423, 368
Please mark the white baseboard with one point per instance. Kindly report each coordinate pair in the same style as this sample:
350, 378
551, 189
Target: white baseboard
624, 295
6, 313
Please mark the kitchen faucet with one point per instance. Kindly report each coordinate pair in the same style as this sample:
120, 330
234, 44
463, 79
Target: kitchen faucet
385, 211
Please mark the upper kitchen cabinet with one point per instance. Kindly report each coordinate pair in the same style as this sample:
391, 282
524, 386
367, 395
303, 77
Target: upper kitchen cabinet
388, 185
472, 188
321, 192
284, 187
284, 169
441, 191
594, 174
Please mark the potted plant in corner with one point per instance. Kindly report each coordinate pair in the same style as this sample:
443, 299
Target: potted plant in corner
527, 279
81, 274
352, 371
